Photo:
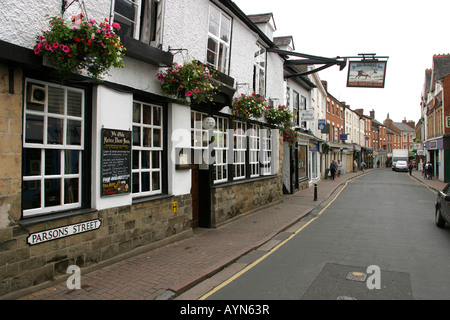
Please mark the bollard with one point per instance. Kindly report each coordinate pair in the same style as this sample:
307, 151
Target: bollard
315, 191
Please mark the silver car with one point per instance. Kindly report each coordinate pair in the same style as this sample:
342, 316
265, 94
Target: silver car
401, 166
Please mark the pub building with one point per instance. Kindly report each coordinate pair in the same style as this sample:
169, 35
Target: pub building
94, 171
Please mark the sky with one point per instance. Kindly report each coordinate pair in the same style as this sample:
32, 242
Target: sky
409, 32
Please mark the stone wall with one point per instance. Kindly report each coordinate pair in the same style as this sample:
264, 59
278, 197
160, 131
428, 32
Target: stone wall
123, 230
231, 201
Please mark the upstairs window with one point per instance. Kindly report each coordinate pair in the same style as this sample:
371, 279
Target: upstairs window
259, 70
140, 19
219, 31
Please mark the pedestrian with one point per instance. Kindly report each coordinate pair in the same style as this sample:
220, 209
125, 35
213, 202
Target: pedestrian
410, 168
378, 163
339, 168
355, 166
333, 168
428, 170
363, 165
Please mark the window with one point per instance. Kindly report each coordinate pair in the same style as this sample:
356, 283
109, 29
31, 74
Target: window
53, 146
220, 149
266, 151
219, 32
140, 19
239, 149
200, 143
259, 74
303, 107
295, 108
254, 149
147, 149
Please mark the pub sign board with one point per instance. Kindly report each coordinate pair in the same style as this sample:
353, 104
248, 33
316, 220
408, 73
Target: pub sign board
366, 74
115, 162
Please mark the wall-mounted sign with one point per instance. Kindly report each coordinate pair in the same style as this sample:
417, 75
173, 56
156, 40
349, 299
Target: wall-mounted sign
366, 74
321, 124
62, 232
116, 162
343, 136
447, 122
306, 115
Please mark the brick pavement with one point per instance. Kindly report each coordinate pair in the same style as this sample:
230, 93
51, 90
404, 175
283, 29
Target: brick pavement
176, 267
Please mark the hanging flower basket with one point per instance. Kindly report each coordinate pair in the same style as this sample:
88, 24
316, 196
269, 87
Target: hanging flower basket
280, 116
245, 106
289, 135
187, 82
72, 46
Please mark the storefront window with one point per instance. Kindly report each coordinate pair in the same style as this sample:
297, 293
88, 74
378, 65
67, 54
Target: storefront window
147, 149
53, 146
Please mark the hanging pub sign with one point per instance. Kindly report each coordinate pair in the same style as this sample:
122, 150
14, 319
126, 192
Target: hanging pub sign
369, 74
307, 115
116, 162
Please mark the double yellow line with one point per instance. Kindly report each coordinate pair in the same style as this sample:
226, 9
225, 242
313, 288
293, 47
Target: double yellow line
278, 246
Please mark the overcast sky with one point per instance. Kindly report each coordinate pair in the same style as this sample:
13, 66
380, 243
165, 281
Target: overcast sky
408, 31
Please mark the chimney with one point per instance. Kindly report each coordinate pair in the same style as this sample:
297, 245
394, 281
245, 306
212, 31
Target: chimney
411, 123
359, 111
372, 114
404, 120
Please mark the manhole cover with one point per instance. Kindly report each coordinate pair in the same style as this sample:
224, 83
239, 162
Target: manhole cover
356, 276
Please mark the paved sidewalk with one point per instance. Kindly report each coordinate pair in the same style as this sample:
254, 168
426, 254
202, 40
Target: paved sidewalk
167, 272
433, 183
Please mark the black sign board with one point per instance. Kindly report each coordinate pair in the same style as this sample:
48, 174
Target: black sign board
116, 162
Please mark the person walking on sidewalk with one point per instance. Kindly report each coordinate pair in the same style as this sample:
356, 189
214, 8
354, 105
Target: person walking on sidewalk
355, 166
363, 165
333, 168
339, 168
410, 168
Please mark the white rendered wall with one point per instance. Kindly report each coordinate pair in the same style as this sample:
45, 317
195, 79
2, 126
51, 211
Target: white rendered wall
111, 109
179, 131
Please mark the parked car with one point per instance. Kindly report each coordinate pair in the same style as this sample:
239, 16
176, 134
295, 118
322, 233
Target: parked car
401, 166
442, 206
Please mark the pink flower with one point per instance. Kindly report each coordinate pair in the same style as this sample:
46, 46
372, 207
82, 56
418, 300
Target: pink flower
116, 25
64, 48
189, 93
196, 90
55, 45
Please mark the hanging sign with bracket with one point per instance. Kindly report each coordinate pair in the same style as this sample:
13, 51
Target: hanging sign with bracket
369, 72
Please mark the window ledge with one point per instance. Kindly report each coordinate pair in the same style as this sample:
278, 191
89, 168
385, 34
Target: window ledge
25, 222
241, 181
144, 52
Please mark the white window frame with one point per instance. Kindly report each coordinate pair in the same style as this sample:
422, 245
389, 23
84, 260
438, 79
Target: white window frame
151, 149
137, 18
221, 59
254, 150
266, 152
62, 147
239, 149
259, 85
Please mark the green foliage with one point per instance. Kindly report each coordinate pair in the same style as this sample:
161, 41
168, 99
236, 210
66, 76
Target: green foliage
72, 46
191, 80
246, 106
